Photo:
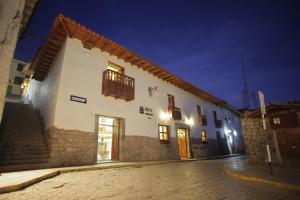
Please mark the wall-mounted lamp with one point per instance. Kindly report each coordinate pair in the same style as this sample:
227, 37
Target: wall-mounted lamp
164, 116
189, 121
235, 133
227, 131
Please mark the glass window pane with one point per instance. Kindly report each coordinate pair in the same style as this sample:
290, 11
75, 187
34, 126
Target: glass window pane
164, 129
160, 129
165, 136
161, 136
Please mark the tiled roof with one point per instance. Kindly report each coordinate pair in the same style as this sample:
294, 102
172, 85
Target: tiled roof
64, 27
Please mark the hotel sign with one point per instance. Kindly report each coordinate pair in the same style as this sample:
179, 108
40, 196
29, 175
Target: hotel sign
78, 99
145, 110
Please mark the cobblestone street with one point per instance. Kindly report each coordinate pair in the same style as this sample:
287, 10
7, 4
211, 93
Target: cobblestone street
182, 180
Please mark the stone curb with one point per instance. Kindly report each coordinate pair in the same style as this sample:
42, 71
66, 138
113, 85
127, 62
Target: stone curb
253, 179
20, 186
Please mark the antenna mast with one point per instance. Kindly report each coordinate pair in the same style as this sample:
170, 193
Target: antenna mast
245, 92
255, 101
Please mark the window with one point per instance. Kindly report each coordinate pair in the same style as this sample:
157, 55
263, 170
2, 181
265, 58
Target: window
20, 67
164, 133
201, 117
199, 110
215, 115
171, 101
18, 80
203, 137
276, 120
115, 68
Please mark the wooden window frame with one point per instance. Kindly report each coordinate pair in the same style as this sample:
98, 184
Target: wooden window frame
163, 141
20, 65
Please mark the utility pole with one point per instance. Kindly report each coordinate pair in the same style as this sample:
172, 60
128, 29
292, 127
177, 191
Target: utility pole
245, 92
263, 113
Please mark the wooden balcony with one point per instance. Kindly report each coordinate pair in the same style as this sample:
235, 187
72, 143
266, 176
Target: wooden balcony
175, 113
117, 85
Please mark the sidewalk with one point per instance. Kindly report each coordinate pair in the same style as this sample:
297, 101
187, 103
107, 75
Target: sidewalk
283, 177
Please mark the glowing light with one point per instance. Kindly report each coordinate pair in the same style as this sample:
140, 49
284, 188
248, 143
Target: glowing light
235, 133
189, 121
230, 139
164, 115
227, 131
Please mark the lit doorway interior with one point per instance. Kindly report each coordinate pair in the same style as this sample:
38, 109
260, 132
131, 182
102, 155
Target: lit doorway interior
108, 138
182, 143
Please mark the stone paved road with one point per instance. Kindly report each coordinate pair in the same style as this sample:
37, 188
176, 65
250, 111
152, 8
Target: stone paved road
185, 180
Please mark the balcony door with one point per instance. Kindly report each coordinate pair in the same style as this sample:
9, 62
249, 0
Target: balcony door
108, 138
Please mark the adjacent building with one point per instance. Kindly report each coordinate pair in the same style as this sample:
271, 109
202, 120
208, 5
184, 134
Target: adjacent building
282, 131
14, 18
100, 101
16, 78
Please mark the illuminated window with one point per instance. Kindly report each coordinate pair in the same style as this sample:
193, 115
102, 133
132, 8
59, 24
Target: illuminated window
115, 68
164, 133
203, 137
276, 120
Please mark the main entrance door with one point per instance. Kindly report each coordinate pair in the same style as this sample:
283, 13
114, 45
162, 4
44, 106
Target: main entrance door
108, 138
182, 142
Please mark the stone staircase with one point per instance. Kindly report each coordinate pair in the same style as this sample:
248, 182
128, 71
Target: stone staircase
22, 141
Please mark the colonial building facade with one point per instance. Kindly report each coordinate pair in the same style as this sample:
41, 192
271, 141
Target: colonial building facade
16, 78
100, 101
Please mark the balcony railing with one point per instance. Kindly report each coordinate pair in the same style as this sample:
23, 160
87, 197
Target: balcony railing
117, 85
175, 113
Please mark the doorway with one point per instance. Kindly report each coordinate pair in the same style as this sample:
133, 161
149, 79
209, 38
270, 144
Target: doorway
108, 138
182, 143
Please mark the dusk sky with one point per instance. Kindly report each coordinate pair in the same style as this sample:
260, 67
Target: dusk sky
200, 41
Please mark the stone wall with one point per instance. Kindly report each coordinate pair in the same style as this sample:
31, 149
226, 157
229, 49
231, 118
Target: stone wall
255, 139
10, 20
212, 148
71, 147
140, 148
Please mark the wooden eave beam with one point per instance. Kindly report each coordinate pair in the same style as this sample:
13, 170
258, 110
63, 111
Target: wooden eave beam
134, 62
148, 67
65, 28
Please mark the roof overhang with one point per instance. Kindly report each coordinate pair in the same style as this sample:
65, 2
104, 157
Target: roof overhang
271, 108
29, 9
64, 27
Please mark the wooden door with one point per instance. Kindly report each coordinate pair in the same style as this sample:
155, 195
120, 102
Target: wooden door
182, 143
289, 144
115, 140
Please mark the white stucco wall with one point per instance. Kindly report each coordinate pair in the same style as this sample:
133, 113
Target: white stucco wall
81, 75
43, 94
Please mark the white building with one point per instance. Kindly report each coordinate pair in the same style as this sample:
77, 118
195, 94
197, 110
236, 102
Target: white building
101, 101
16, 77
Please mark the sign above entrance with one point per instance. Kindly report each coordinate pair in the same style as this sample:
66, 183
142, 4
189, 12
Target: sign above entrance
78, 99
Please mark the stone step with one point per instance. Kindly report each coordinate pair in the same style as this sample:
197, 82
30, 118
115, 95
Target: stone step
23, 157
21, 136
23, 167
23, 161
